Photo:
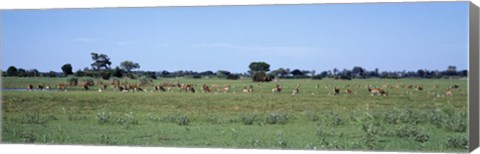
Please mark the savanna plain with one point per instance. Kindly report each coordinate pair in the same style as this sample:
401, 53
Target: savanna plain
409, 118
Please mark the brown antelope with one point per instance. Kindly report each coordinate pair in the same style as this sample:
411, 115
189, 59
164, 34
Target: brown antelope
102, 87
226, 88
160, 88
348, 91
418, 88
206, 88
296, 90
455, 86
336, 90
248, 89
40, 87
186, 87
377, 91
277, 89
85, 86
449, 93
245, 90
30, 87
62, 87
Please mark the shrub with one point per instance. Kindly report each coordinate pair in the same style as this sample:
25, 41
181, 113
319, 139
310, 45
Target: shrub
104, 118
276, 118
107, 140
335, 120
262, 77
413, 133
35, 118
144, 81
233, 77
456, 123
127, 120
248, 119
457, 142
182, 120
72, 81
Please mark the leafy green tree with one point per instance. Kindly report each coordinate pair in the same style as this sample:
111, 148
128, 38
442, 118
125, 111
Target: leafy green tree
128, 66
358, 71
297, 72
12, 71
100, 62
259, 67
67, 69
222, 73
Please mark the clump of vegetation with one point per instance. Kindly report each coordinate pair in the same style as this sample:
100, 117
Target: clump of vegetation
128, 119
36, 118
181, 120
412, 133
144, 80
28, 137
74, 117
333, 119
105, 139
276, 118
281, 141
457, 142
248, 119
370, 140
456, 123
104, 118
311, 116
72, 80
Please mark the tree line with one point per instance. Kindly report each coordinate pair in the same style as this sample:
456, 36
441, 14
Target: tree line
258, 71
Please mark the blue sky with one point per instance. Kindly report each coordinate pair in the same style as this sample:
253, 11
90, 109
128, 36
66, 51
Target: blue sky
387, 36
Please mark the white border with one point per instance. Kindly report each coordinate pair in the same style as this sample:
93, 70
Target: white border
59, 4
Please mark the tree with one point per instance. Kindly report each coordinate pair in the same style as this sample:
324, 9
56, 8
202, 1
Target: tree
100, 62
358, 71
421, 73
222, 73
67, 69
296, 72
259, 67
280, 72
12, 71
117, 72
21, 72
128, 66
258, 71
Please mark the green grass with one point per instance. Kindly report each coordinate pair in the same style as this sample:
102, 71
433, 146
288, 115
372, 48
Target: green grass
314, 119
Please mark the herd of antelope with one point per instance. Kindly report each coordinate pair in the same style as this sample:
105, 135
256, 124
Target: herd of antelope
216, 88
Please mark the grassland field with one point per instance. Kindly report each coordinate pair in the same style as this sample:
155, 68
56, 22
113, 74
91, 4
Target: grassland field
405, 120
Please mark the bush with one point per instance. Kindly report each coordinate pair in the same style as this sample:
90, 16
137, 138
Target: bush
276, 118
262, 77
181, 120
127, 120
457, 142
35, 118
248, 119
72, 81
104, 118
233, 77
144, 81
